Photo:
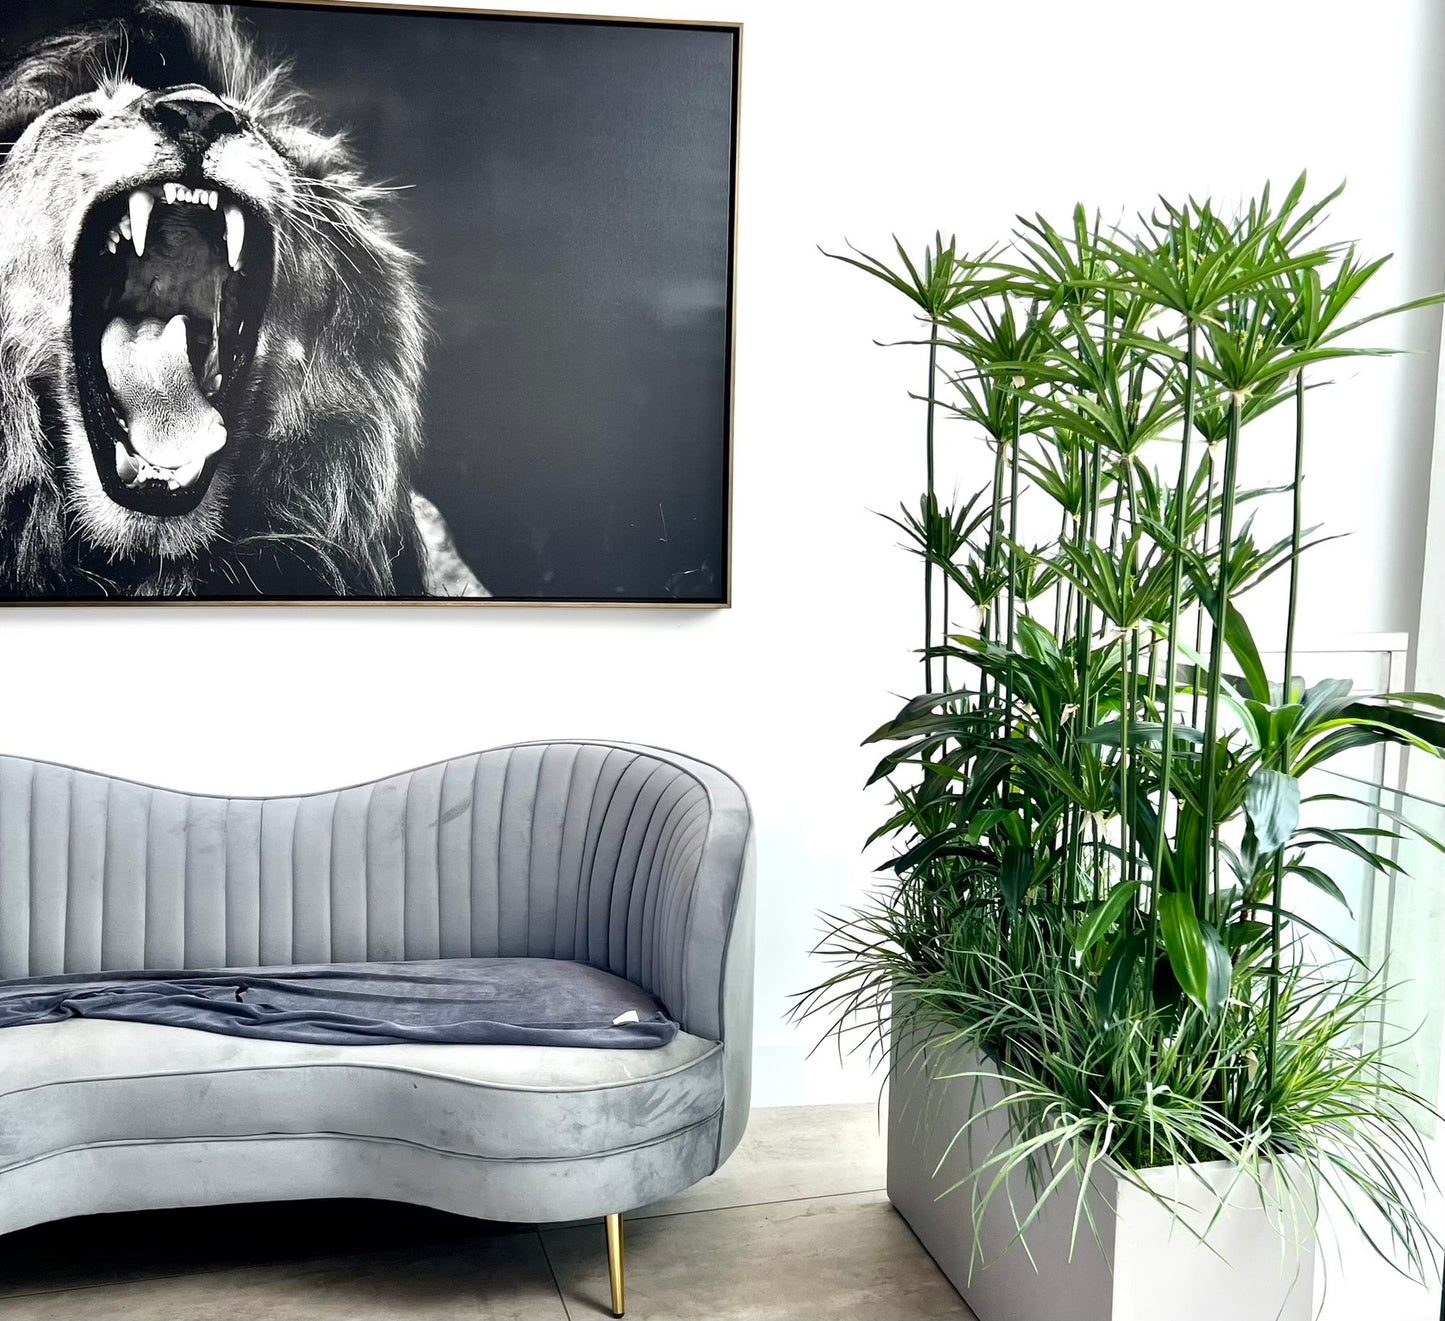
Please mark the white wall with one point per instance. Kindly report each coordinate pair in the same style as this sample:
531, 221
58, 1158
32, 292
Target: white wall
859, 120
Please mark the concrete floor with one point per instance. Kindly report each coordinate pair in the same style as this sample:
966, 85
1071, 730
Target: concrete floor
796, 1225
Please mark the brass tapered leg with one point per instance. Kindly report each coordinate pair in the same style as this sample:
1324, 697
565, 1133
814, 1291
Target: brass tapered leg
614, 1263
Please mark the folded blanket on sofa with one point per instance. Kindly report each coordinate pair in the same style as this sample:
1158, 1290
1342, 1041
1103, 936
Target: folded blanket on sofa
520, 1002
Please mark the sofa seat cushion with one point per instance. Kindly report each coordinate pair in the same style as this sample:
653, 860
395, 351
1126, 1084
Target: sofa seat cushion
84, 1082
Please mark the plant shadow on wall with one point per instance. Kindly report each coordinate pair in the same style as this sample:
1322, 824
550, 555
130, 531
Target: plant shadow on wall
1096, 800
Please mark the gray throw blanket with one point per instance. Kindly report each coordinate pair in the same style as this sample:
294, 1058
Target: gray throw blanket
520, 1002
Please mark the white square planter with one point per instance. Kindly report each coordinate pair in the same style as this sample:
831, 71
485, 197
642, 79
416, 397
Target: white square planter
1258, 1265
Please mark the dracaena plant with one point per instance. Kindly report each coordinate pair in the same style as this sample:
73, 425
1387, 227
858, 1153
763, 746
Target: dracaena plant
1097, 807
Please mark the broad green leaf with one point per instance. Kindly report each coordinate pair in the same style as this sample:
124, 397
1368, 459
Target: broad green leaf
1246, 932
1419, 699
1110, 734
1100, 920
1324, 701
1321, 880
1114, 980
1236, 633
986, 820
1425, 731
1241, 644
1220, 971
1260, 717
1014, 875
1283, 721
1271, 803
1185, 944
918, 714
1362, 724
1342, 839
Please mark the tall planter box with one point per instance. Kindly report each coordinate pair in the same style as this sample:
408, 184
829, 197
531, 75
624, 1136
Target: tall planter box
1258, 1264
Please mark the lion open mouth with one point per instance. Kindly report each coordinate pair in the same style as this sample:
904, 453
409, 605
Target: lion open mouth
170, 286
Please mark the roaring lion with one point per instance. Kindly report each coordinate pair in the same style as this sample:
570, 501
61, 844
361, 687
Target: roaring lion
211, 345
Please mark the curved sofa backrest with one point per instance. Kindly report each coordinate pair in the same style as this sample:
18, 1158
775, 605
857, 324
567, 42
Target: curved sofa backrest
628, 858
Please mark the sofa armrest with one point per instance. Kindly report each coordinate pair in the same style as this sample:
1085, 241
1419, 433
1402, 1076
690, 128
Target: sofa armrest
710, 944
679, 906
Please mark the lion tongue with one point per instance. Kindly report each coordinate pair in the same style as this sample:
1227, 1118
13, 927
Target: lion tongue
173, 430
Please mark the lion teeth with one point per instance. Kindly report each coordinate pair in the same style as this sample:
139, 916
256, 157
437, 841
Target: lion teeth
235, 235
175, 193
188, 474
126, 467
142, 204
135, 469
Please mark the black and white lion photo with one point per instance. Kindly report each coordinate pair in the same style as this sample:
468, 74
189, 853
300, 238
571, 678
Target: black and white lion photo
239, 360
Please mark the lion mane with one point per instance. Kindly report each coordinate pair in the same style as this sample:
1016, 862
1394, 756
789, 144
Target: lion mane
311, 494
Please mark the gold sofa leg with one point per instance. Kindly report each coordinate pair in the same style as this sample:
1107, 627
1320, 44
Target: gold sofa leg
614, 1263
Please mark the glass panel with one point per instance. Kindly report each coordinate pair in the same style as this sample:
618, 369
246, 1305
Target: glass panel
1400, 917
1395, 922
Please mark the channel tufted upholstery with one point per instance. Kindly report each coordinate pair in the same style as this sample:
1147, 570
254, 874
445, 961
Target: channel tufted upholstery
632, 859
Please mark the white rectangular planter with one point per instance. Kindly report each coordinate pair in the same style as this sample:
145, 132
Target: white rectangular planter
1258, 1264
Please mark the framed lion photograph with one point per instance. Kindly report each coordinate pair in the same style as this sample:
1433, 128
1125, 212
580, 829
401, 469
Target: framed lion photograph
321, 302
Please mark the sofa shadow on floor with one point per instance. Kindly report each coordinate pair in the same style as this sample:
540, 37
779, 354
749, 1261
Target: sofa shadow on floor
796, 1225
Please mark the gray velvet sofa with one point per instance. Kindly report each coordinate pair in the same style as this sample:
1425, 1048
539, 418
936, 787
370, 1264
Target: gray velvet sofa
629, 858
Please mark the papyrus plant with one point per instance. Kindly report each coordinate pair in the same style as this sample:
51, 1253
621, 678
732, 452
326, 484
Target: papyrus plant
1096, 809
